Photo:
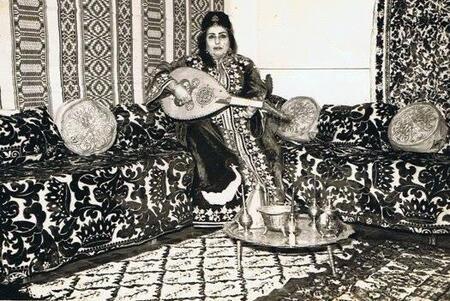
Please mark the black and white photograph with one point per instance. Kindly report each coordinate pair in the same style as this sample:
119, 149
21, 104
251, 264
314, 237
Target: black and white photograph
225, 150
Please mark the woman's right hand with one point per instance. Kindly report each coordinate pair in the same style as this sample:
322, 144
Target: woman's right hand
181, 94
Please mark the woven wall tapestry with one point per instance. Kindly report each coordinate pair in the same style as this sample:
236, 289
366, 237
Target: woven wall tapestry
63, 50
30, 52
412, 55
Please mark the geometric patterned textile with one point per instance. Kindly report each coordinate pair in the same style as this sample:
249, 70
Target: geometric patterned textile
69, 57
63, 50
187, 17
219, 5
125, 51
198, 11
179, 26
154, 42
205, 268
97, 49
30, 53
382, 270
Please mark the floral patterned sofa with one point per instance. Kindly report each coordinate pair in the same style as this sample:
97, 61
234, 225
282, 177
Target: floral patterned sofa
56, 206
352, 164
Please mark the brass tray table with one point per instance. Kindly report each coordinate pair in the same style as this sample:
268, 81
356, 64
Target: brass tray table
307, 238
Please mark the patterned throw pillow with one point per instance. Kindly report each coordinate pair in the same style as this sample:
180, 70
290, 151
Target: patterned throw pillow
364, 125
445, 110
418, 127
29, 136
87, 127
304, 113
140, 126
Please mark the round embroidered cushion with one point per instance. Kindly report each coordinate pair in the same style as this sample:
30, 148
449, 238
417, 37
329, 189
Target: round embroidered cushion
87, 127
418, 127
304, 112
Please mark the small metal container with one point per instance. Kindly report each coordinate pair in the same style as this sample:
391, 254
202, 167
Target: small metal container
275, 217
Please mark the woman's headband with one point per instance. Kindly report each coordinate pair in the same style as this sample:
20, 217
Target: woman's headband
216, 18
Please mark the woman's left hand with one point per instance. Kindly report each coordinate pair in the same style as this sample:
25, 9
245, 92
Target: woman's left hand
250, 111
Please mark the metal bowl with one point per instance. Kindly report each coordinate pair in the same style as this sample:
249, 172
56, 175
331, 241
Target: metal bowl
275, 217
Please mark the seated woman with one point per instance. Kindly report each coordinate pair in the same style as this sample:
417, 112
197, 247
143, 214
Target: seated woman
232, 151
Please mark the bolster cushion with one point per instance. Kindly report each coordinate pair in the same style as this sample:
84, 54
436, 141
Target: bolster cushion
29, 136
139, 126
365, 125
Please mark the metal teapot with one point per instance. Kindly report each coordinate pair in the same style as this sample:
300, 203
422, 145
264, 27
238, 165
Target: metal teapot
328, 223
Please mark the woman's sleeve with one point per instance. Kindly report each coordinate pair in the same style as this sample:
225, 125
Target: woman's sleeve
160, 78
262, 126
254, 87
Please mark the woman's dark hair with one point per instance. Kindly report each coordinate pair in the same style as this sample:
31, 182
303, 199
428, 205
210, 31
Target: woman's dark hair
214, 18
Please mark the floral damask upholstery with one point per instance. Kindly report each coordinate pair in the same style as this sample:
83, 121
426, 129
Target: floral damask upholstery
352, 164
364, 125
411, 54
55, 211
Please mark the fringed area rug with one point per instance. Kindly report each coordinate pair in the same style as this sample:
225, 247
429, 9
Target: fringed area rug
205, 268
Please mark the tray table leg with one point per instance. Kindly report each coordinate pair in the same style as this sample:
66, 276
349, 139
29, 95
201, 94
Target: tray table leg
331, 260
239, 253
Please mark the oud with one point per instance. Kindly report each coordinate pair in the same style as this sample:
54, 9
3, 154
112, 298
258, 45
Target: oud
208, 96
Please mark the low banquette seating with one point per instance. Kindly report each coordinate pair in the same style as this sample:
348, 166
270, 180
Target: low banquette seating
352, 164
56, 206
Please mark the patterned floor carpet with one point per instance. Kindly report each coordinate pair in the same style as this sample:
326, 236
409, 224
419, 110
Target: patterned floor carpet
381, 270
205, 268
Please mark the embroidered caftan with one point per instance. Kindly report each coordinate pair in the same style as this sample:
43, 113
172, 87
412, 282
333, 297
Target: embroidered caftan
228, 149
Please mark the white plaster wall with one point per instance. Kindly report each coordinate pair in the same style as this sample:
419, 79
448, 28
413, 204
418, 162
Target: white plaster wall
244, 16
7, 99
344, 86
319, 48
